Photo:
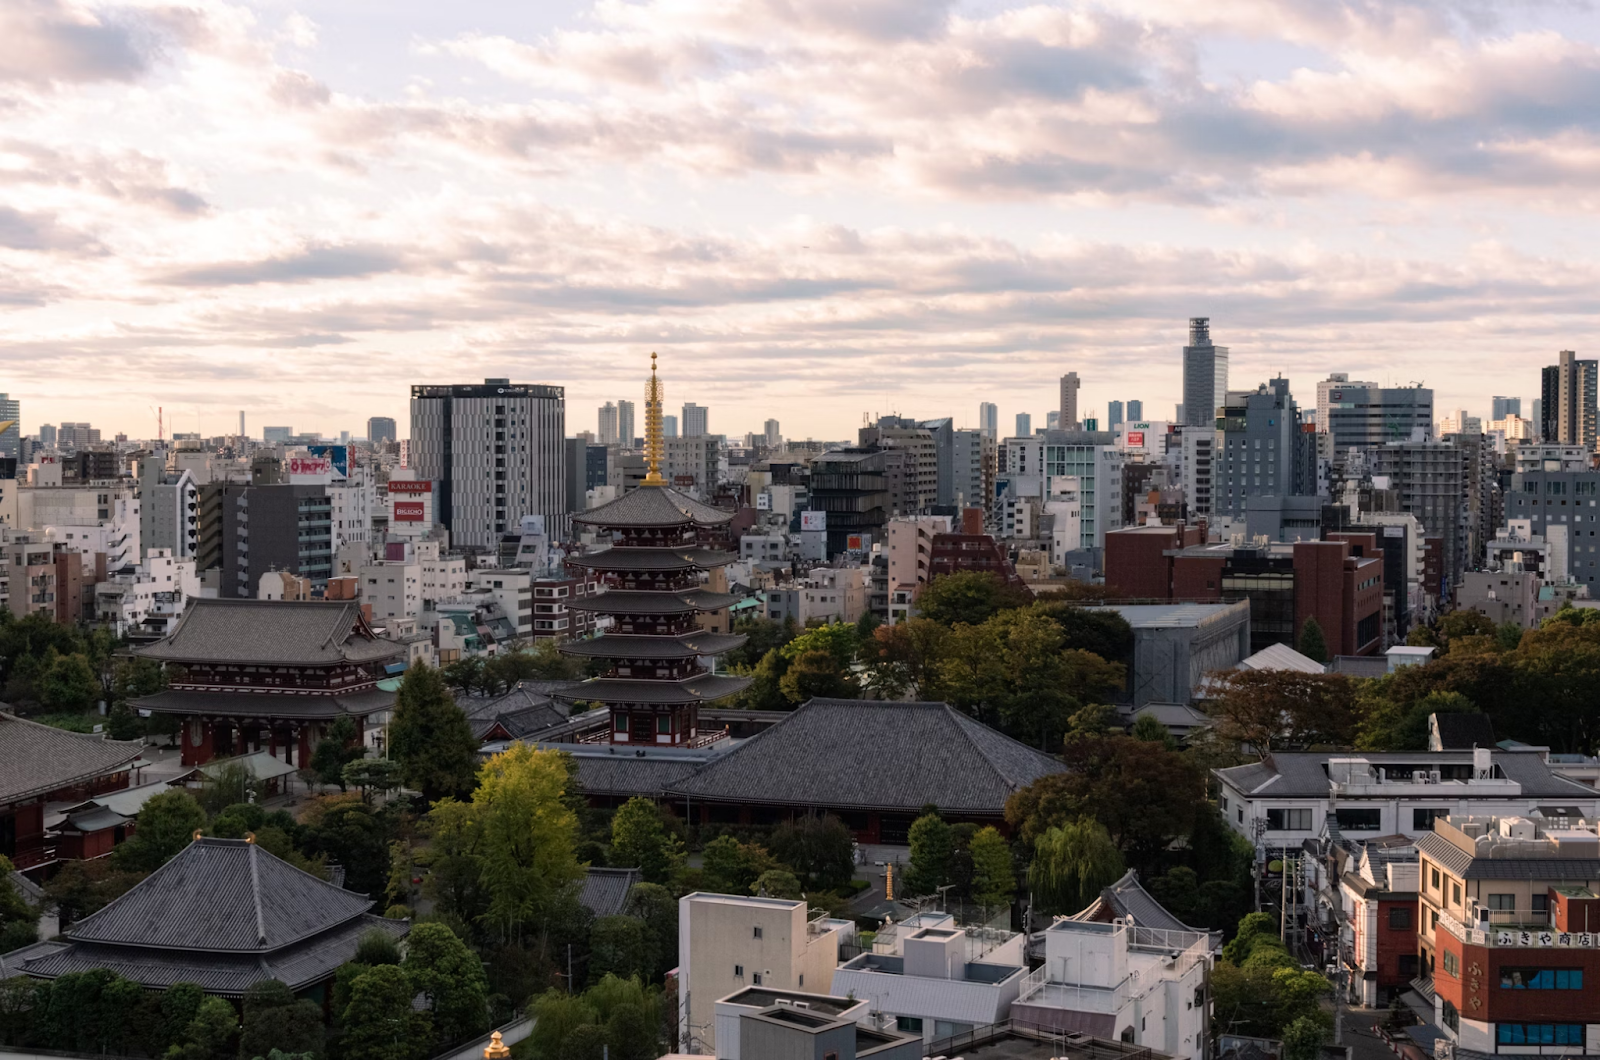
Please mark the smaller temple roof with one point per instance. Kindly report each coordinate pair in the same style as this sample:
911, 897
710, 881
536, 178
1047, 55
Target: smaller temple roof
653, 506
631, 558
632, 646
520, 713
265, 703
654, 692
651, 602
272, 632
39, 759
605, 891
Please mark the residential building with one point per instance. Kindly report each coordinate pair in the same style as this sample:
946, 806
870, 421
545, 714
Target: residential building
669, 426
47, 435
793, 1029
970, 551
352, 500
169, 508
100, 517
444, 574
911, 462
1375, 892
1029, 465
28, 566
1024, 425
728, 942
1123, 980
494, 453
1135, 411
1205, 375
772, 434
1550, 456
850, 490
972, 469
1194, 451
148, 599
1431, 481
553, 617
11, 437
392, 589
1568, 390
696, 419
1068, 417
608, 432
380, 429
625, 430
943, 433
1113, 415
1365, 416
936, 979
910, 556
693, 463
753, 1000
1501, 407
1510, 911
1280, 802
1176, 645
1560, 507
276, 527
1262, 449
989, 420
832, 594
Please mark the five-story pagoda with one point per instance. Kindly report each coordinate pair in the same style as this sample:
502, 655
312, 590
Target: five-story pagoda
662, 540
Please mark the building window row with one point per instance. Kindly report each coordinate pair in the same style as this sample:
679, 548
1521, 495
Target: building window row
1541, 978
1539, 1033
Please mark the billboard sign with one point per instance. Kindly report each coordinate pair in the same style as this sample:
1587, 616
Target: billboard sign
854, 543
310, 465
763, 502
409, 511
1136, 439
338, 455
813, 521
410, 485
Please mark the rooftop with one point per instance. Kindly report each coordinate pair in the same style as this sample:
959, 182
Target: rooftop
1305, 774
293, 633
1168, 616
40, 759
653, 506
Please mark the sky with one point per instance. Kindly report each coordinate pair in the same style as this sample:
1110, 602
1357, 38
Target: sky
814, 210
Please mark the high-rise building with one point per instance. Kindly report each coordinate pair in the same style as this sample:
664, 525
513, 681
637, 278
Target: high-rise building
1114, 415
69, 436
1430, 482
1568, 391
47, 434
380, 429
669, 426
625, 435
276, 435
696, 420
972, 469
1262, 451
989, 420
1538, 420
494, 452
1205, 374
1363, 416
943, 431
1052, 420
608, 424
774, 435
1068, 420
11, 437
1501, 407
1024, 425
1135, 411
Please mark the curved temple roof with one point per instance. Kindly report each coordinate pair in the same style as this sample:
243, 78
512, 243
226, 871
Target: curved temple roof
648, 559
652, 602
702, 688
629, 646
654, 506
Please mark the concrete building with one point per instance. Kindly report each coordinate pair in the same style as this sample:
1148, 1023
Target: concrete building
1363, 416
669, 426
1029, 466
1176, 645
1122, 981
147, 600
1560, 507
1113, 415
607, 428
1568, 407
169, 508
728, 942
1194, 452
1376, 896
935, 979
274, 528
910, 558
696, 419
99, 517
752, 1000
494, 453
772, 434
989, 420
1501, 407
972, 469
392, 589
1024, 425
1205, 375
943, 433
625, 425
1262, 449
1067, 419
850, 488
380, 429
1431, 483
693, 464
911, 462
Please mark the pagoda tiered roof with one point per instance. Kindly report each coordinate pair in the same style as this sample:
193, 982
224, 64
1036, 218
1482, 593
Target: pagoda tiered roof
651, 602
654, 506
636, 558
644, 646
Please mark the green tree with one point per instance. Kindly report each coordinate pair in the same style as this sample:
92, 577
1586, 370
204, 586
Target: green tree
655, 908
123, 724
1072, 863
817, 675
1312, 644
454, 881
1103, 632
180, 1003
430, 736
761, 636
166, 825
379, 1022
527, 835
777, 883
337, 747
68, 684
902, 660
1268, 710
618, 945
819, 848
19, 921
274, 1019
210, 1034
1303, 1039
450, 977
377, 947
766, 683
556, 1015
731, 866
970, 597
931, 848
993, 880
356, 836
639, 839
373, 776
1147, 728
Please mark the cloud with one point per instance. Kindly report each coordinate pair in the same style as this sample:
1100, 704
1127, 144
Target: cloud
44, 41
300, 266
42, 232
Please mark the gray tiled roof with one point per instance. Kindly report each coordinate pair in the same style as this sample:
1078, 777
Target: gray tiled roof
36, 759
653, 506
269, 703
623, 774
638, 558
651, 602
1303, 774
870, 754
228, 975
605, 891
273, 631
222, 896
701, 689
1128, 898
1463, 864
637, 646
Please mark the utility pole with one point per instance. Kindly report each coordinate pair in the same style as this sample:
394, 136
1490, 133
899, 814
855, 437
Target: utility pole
1283, 899
569, 967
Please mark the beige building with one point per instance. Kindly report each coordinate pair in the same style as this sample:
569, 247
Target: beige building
910, 559
727, 943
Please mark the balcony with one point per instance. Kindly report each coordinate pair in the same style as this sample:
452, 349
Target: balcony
1516, 929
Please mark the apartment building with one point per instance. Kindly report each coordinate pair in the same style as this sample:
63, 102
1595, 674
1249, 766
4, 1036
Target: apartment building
727, 942
147, 600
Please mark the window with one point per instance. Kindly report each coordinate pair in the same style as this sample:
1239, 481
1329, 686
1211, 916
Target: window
1359, 820
1541, 903
664, 723
908, 1024
1240, 812
1422, 820
1286, 820
758, 933
1399, 918
1435, 878
756, 979
1541, 978
1504, 902
802, 982
1455, 894
1452, 1018
738, 971
1452, 964
1408, 965
622, 723
1539, 1033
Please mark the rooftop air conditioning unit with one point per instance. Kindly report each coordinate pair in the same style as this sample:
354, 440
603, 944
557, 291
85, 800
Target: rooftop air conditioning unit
1434, 776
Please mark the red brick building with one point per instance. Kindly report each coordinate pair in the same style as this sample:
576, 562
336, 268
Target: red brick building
971, 552
1338, 581
1378, 889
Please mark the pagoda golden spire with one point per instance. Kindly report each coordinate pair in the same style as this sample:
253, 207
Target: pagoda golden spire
652, 428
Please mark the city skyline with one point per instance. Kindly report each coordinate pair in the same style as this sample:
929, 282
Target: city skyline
549, 195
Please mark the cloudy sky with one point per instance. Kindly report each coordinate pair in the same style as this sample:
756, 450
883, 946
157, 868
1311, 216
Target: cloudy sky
813, 209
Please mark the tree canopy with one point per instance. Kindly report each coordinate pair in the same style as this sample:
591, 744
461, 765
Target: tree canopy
430, 736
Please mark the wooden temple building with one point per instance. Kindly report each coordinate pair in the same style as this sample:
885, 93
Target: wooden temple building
246, 676
223, 914
662, 540
41, 765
